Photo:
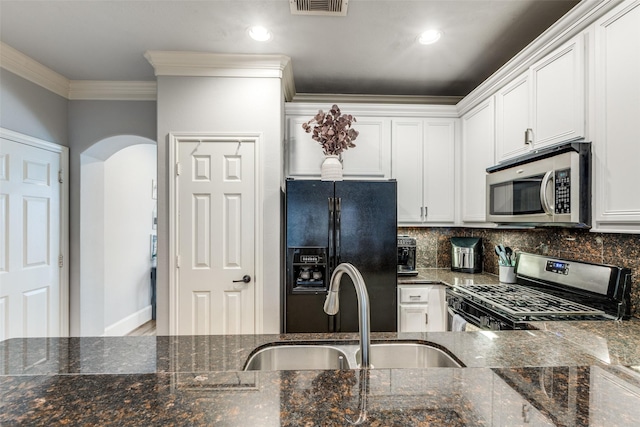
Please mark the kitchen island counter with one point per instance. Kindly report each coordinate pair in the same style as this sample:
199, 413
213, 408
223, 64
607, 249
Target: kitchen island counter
198, 380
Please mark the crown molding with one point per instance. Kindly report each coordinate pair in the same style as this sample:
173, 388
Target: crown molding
206, 64
112, 90
373, 109
375, 99
573, 22
20, 64
23, 66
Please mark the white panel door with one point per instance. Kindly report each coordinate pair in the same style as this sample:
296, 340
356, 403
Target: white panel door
29, 241
216, 232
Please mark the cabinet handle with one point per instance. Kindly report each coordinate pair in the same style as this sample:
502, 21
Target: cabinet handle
426, 210
421, 212
426, 318
414, 297
528, 136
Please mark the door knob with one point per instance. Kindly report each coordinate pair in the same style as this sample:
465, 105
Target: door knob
246, 279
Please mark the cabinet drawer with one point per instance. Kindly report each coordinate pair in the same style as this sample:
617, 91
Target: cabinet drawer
411, 294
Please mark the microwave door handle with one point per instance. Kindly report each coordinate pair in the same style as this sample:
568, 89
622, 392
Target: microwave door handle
546, 206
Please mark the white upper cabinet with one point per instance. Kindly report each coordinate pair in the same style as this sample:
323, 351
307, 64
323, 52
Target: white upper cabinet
370, 159
558, 93
478, 139
544, 105
513, 116
617, 111
423, 164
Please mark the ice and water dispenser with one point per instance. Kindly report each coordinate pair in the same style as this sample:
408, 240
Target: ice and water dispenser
307, 269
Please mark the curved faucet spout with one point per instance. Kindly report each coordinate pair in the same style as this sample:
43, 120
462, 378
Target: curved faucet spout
332, 303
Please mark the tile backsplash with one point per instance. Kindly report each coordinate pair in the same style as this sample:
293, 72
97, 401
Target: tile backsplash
434, 248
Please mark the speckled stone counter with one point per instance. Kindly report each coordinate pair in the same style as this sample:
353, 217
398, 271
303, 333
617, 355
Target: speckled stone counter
557, 373
565, 373
447, 277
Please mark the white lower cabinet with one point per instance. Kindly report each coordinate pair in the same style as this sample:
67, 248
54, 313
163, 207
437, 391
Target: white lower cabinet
421, 308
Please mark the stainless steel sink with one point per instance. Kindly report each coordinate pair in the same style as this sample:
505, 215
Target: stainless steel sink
408, 355
297, 357
282, 357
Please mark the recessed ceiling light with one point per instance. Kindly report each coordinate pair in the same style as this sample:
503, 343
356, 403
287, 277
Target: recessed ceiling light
259, 33
429, 37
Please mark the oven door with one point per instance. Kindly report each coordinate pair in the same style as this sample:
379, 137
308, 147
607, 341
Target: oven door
465, 315
462, 323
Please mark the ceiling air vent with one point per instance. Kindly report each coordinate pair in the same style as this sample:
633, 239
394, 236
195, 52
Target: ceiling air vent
319, 7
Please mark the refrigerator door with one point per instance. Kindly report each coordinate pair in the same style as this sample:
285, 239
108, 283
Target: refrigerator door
307, 225
366, 236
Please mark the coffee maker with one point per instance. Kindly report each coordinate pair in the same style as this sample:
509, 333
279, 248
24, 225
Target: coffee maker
407, 256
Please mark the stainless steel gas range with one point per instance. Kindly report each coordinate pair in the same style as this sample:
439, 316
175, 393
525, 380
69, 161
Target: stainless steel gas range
546, 289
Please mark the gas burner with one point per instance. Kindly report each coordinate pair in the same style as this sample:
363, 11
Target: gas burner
523, 301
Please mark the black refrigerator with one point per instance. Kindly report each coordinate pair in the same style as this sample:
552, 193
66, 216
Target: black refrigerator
328, 223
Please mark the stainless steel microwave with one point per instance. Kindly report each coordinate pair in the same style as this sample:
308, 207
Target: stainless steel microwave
548, 187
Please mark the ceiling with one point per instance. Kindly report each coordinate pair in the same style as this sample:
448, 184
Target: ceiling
373, 50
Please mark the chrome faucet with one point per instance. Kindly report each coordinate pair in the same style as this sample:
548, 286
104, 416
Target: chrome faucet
331, 306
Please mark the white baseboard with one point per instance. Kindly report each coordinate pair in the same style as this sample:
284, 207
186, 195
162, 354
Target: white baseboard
129, 323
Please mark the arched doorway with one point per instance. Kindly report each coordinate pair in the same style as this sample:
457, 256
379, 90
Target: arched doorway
117, 211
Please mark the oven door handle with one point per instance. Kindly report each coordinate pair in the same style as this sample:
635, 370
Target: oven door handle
466, 316
546, 206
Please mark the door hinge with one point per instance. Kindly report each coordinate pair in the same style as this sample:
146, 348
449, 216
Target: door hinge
60, 261
178, 168
60, 180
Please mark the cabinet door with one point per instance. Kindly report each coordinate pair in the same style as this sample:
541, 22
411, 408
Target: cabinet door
437, 309
512, 118
478, 129
558, 88
370, 159
413, 318
407, 136
439, 170
617, 109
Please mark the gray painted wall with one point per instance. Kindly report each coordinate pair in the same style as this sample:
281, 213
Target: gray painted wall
32, 110
225, 105
89, 123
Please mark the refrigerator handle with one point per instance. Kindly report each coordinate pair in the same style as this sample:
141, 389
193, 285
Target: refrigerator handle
338, 214
331, 224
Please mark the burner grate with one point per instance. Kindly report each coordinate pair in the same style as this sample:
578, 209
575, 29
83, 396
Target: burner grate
523, 301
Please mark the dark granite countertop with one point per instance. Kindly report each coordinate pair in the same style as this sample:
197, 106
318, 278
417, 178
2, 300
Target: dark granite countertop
447, 277
562, 373
566, 373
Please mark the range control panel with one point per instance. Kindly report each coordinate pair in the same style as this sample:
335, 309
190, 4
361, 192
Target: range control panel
557, 267
563, 191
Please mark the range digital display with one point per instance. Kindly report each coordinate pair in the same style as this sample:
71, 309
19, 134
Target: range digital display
558, 267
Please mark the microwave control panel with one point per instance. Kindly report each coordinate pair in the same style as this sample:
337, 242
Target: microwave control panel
563, 191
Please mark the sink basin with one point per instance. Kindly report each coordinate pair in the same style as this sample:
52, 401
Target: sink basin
408, 355
390, 355
297, 357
